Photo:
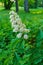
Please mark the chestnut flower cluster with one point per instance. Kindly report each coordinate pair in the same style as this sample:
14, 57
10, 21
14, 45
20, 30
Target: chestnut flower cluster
18, 26
12, 0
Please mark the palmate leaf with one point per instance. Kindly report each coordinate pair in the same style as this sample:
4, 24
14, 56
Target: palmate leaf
20, 46
26, 59
9, 60
17, 58
37, 57
39, 38
41, 33
13, 43
38, 60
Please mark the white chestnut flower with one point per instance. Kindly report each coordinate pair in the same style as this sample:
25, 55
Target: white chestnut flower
24, 25
25, 36
11, 16
13, 25
15, 14
16, 26
15, 29
12, 12
19, 23
27, 30
14, 22
21, 29
19, 35
11, 20
17, 17
12, 0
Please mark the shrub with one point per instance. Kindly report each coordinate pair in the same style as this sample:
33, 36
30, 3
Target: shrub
14, 51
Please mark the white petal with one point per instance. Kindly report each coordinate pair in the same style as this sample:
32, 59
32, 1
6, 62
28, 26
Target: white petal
25, 36
11, 16
21, 29
27, 30
12, 12
19, 35
15, 30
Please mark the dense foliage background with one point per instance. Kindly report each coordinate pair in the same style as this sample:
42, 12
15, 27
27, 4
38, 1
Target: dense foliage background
14, 51
31, 3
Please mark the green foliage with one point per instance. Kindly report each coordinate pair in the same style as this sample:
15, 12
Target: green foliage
21, 3
7, 4
31, 3
14, 51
